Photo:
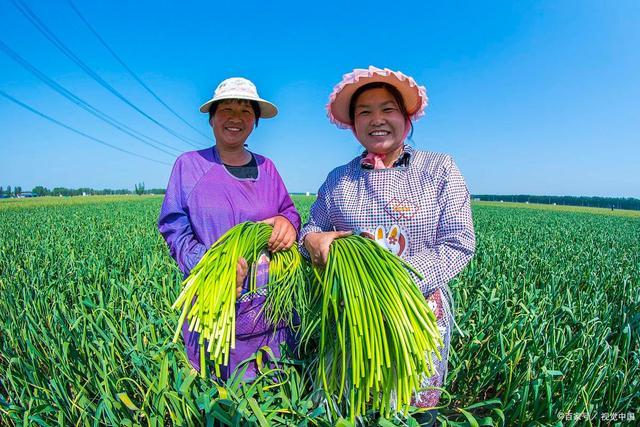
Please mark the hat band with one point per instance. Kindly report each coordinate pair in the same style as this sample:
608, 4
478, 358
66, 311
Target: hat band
235, 95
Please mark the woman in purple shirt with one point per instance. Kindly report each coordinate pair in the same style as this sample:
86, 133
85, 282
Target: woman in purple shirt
413, 203
214, 189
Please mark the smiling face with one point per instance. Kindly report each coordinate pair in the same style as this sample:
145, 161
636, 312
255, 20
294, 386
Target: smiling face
232, 122
378, 122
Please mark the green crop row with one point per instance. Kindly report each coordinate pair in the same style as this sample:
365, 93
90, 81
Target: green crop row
549, 310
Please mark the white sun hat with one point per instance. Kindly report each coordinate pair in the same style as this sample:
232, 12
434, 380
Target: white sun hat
240, 88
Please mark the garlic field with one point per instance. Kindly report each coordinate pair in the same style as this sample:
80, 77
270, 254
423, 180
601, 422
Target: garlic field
549, 310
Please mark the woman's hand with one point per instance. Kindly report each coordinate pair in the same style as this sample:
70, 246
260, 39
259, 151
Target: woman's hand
283, 234
242, 269
318, 245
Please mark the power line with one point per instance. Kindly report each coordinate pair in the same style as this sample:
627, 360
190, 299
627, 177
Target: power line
130, 71
82, 103
51, 119
40, 26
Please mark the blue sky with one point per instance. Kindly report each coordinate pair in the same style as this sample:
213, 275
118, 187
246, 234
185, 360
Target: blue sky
529, 97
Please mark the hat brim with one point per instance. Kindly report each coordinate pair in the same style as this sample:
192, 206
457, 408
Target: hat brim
267, 109
414, 96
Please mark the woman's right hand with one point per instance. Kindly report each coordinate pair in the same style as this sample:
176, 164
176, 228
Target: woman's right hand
318, 245
242, 269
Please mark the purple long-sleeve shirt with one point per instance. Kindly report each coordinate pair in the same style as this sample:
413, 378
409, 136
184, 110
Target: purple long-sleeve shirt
203, 200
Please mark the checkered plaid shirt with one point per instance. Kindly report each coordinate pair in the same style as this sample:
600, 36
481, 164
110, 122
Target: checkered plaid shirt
427, 200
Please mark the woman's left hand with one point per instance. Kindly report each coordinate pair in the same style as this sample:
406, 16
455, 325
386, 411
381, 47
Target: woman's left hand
283, 234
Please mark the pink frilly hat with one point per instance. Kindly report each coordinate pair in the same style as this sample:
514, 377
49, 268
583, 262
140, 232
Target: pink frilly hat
414, 96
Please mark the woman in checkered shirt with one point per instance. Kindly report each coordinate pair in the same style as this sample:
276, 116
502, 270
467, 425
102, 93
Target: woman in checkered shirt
414, 203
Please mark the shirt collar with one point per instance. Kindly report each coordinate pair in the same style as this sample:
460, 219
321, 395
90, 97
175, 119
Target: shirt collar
403, 160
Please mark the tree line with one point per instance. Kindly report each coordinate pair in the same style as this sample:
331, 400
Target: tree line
593, 202
40, 190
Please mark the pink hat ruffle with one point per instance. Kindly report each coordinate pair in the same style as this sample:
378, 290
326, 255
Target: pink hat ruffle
412, 93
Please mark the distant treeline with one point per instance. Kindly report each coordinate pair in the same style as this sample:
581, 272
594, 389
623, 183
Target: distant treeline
593, 202
62, 191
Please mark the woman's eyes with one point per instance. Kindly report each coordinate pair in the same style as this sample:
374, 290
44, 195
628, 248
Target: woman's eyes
384, 110
230, 110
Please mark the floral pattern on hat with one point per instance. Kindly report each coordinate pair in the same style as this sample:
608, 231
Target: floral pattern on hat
362, 74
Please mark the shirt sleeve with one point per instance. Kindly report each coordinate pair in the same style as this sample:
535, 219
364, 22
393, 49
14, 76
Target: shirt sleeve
455, 238
174, 223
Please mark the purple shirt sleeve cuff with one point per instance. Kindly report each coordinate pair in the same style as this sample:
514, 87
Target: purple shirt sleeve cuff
193, 257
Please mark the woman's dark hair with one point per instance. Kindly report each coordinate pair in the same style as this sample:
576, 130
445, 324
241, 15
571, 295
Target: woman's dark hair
380, 85
254, 105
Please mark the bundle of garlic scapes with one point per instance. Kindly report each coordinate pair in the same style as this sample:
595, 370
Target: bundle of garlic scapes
211, 286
